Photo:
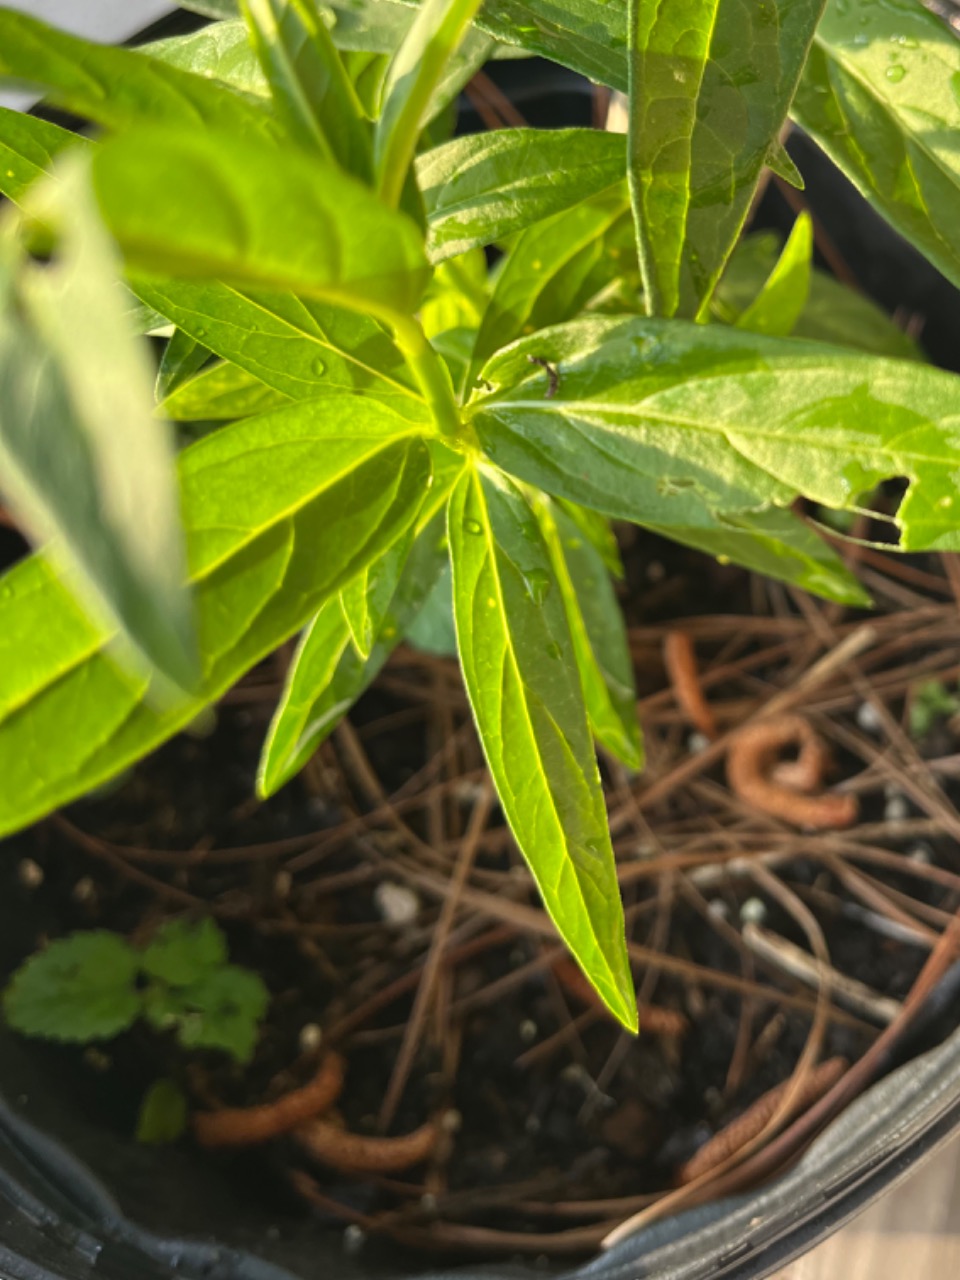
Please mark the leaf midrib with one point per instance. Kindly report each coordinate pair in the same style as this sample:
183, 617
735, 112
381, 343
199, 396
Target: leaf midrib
509, 648
692, 424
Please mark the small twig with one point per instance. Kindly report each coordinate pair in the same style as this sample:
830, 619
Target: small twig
801, 965
360, 1153
249, 1126
680, 661
734, 1136
421, 1004
751, 773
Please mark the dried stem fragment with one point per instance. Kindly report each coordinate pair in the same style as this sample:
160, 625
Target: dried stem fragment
249, 1126
681, 663
855, 995
755, 776
755, 1119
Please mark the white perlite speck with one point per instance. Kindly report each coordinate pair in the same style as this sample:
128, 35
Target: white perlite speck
396, 903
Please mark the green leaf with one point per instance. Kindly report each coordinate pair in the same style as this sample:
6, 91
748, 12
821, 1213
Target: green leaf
280, 512
296, 346
673, 424
833, 312
517, 657
116, 87
930, 702
457, 295
711, 82
82, 461
327, 674
367, 72
598, 634
596, 529
219, 51
28, 147
181, 950
77, 989
480, 188
194, 205
220, 392
311, 90
434, 36
542, 280
433, 629
366, 598
880, 95
780, 162
777, 544
780, 303
586, 35
223, 1010
163, 1114
182, 357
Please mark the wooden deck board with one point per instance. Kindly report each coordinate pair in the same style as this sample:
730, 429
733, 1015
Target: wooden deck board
913, 1231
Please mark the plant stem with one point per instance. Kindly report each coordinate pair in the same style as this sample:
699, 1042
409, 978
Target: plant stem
430, 374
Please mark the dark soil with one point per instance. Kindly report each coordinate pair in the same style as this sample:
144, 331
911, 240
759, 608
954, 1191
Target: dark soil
551, 1111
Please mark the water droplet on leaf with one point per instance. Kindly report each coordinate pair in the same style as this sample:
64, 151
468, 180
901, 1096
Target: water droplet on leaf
895, 74
318, 368
473, 526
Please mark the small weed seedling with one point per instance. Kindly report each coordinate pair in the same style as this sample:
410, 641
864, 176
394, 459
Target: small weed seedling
93, 985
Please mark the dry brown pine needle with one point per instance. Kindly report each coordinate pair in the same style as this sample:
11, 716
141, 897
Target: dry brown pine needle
734, 1136
653, 1018
248, 1126
681, 664
755, 776
358, 1153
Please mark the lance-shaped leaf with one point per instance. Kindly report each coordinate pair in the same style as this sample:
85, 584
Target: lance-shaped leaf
585, 35
182, 357
597, 631
780, 302
777, 544
366, 598
674, 423
483, 187
311, 89
219, 51
711, 82
546, 277
832, 313
280, 512
195, 205
116, 88
517, 657
221, 392
327, 674
298, 346
27, 150
880, 96
435, 35
82, 461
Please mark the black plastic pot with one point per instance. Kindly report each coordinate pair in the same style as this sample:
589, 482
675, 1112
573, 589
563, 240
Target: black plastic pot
60, 1221
81, 1203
